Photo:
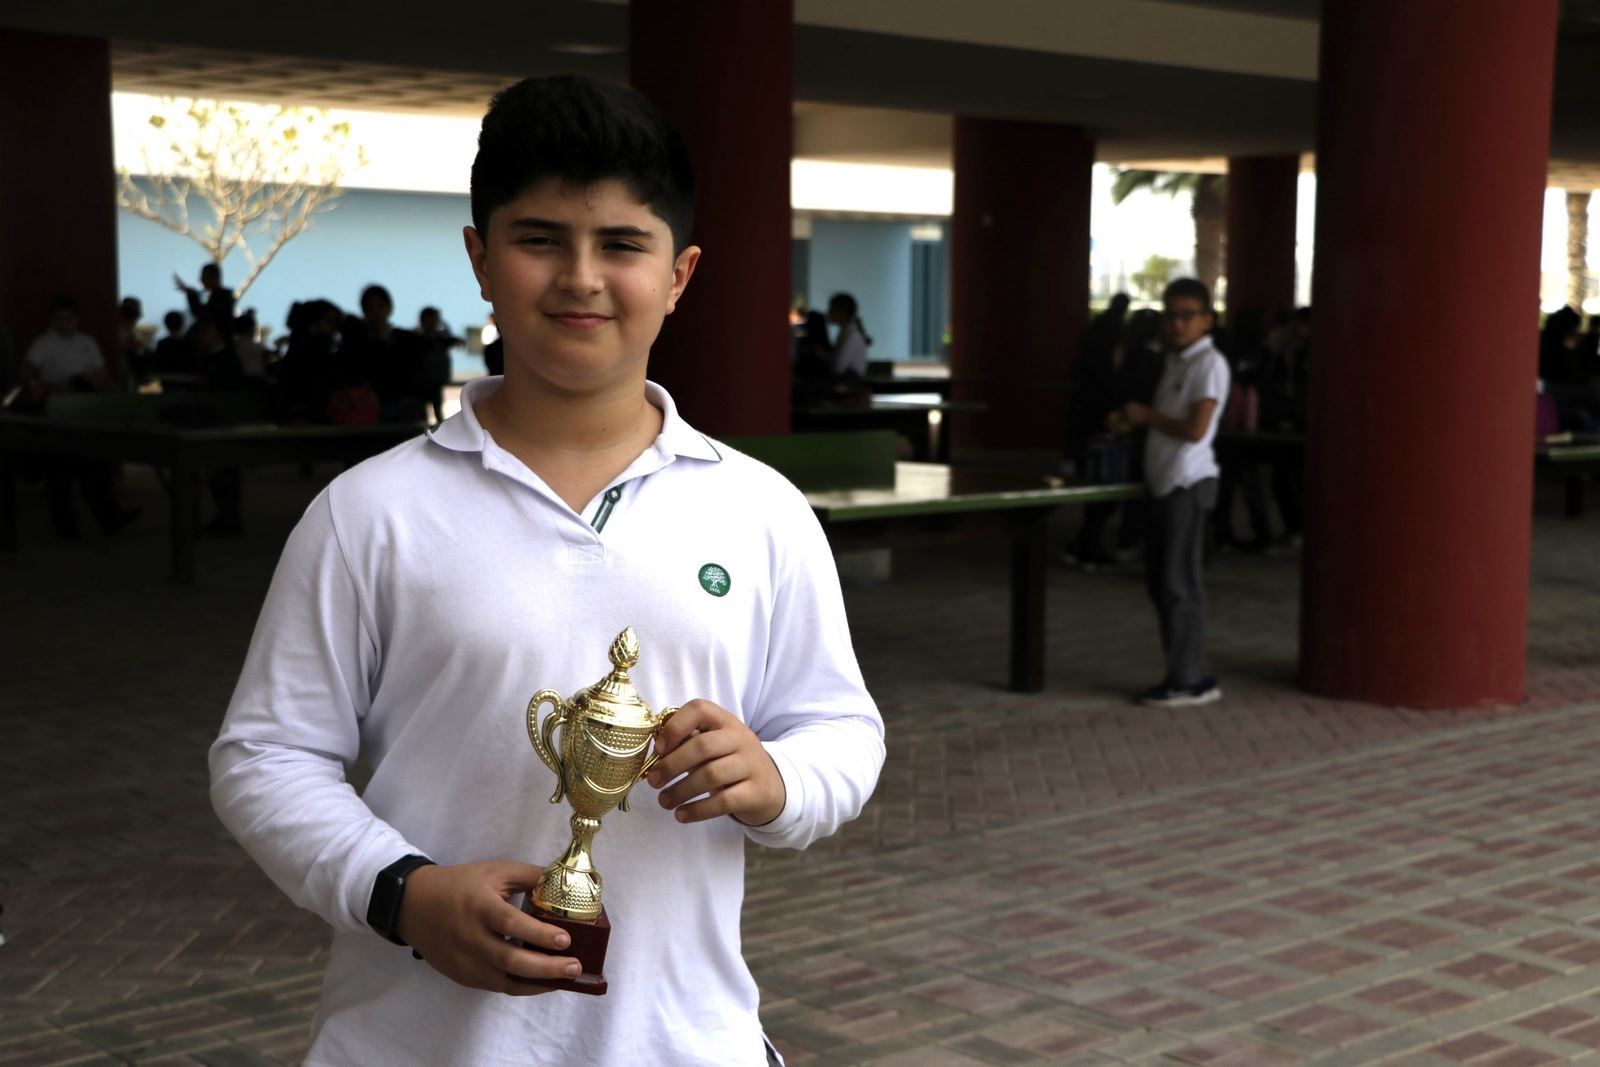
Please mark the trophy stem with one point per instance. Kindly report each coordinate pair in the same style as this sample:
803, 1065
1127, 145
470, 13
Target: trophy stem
570, 887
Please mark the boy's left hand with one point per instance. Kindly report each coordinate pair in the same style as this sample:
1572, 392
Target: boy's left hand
716, 754
1137, 413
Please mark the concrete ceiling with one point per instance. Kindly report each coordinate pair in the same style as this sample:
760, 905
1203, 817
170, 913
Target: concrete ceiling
866, 94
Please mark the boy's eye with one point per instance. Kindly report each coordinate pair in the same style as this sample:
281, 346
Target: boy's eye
538, 240
622, 246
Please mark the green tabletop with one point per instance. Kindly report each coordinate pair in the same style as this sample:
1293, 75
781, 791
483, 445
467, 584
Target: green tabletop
937, 489
1586, 452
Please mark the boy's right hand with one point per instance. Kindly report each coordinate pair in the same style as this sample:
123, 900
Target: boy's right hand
458, 918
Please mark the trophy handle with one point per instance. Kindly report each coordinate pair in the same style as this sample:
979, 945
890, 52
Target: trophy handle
543, 736
655, 757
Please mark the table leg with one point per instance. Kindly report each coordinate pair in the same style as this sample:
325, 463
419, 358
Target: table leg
914, 428
1575, 496
185, 499
8, 504
1029, 552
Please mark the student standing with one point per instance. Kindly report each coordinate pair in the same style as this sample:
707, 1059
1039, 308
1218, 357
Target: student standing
850, 350
430, 591
1181, 471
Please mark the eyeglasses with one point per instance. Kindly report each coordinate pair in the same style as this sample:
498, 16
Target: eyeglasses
1182, 315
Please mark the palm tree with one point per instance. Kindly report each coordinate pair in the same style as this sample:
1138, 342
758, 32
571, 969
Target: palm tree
1577, 248
1209, 209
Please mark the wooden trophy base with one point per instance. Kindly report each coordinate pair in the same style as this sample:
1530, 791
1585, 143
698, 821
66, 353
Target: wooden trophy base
588, 946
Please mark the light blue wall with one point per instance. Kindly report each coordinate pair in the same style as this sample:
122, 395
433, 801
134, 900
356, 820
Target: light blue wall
408, 242
872, 262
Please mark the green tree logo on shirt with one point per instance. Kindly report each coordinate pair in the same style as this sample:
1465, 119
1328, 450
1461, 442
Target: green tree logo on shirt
714, 579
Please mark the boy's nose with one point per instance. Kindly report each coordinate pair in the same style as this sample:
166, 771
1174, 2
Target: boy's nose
580, 275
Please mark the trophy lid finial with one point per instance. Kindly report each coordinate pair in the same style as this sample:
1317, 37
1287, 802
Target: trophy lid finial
625, 650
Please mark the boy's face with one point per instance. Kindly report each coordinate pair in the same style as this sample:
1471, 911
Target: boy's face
1186, 320
64, 321
580, 278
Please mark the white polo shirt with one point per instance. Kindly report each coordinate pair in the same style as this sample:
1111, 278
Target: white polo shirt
1197, 373
419, 604
850, 353
60, 359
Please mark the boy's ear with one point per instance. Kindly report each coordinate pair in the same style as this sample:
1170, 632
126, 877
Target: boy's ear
682, 271
478, 254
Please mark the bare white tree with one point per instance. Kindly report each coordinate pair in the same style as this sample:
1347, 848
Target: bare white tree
239, 177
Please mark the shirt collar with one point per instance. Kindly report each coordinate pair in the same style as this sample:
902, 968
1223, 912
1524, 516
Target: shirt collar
1185, 355
462, 432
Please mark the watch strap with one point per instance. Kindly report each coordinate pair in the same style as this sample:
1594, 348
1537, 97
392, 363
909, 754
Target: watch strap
388, 892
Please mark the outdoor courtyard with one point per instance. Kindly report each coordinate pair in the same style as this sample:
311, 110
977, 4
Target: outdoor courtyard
1053, 878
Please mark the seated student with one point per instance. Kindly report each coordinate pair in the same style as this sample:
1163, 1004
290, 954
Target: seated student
63, 359
130, 346
389, 359
250, 352
310, 365
850, 348
429, 592
215, 357
174, 353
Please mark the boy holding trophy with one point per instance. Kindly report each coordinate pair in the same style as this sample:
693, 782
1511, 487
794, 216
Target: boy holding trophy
429, 592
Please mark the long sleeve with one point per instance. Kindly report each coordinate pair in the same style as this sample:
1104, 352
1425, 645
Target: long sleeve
815, 717
292, 727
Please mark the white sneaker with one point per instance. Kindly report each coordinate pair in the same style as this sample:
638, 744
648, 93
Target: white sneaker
1206, 691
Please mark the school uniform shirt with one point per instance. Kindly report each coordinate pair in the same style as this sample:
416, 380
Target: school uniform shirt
1197, 373
60, 359
850, 353
423, 599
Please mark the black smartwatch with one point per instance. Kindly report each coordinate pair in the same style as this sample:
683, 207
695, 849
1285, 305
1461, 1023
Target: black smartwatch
388, 890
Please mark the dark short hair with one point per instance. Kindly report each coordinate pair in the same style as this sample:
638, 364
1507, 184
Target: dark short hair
173, 320
1193, 288
581, 130
844, 302
376, 291
61, 302
213, 267
131, 309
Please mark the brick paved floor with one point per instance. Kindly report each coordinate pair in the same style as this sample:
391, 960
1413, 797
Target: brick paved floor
1058, 878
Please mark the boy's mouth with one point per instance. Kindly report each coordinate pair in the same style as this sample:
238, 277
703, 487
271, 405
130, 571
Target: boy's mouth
579, 320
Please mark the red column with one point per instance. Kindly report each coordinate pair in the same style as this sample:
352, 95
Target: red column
1261, 232
722, 71
1431, 174
1019, 275
58, 226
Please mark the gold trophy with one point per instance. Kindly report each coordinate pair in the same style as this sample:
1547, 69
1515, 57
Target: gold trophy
605, 732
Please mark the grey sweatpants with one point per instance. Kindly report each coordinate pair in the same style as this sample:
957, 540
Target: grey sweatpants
1174, 551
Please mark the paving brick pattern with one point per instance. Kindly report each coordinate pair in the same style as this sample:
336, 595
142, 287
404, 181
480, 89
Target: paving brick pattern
1056, 878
